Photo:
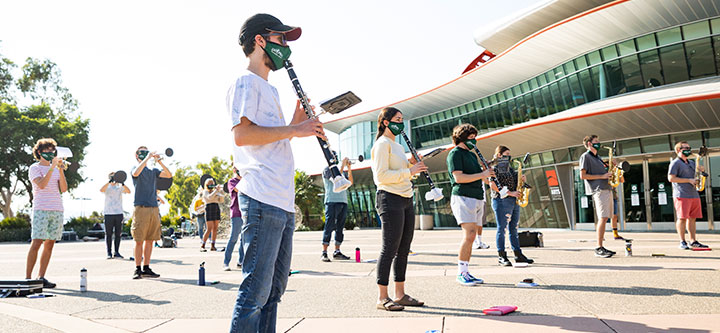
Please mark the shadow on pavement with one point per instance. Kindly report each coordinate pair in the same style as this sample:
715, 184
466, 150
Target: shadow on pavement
580, 324
634, 291
623, 268
219, 285
104, 296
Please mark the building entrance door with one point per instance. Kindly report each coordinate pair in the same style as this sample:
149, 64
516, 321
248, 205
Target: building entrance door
661, 206
634, 194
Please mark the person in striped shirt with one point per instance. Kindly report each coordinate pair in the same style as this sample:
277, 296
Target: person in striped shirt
48, 184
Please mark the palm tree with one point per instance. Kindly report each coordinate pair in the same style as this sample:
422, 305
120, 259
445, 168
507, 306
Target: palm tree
307, 195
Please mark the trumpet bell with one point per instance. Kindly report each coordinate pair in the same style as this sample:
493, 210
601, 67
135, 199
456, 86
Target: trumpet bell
624, 166
340, 184
435, 194
169, 152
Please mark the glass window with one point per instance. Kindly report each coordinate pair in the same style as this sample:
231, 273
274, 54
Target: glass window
493, 99
713, 139
645, 42
539, 103
655, 144
558, 73
530, 110
566, 94
547, 158
631, 73
506, 114
569, 67
533, 83
626, 47
509, 94
581, 62
669, 36
609, 52
561, 155
628, 147
716, 44
534, 160
542, 80
576, 152
715, 23
693, 138
673, 62
651, 69
594, 58
701, 62
587, 85
518, 110
498, 115
696, 30
549, 104
525, 87
576, 91
614, 76
557, 98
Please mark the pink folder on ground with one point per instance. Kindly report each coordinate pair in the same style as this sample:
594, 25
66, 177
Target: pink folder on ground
500, 310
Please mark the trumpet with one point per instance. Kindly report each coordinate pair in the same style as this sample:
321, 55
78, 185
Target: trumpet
522, 187
359, 159
700, 176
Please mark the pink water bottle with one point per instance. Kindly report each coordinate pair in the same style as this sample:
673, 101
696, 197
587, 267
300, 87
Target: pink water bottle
357, 254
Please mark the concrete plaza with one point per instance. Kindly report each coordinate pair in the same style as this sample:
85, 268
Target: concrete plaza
577, 292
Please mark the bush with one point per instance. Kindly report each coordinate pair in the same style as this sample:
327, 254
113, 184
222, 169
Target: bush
81, 225
14, 235
15, 223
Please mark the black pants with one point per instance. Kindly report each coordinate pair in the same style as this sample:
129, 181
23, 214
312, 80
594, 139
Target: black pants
113, 226
398, 225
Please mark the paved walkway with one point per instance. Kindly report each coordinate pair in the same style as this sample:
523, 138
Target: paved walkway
679, 291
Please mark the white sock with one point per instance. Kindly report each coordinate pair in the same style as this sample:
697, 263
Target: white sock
478, 238
463, 266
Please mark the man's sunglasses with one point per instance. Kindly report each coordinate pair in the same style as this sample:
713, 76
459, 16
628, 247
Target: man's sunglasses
283, 39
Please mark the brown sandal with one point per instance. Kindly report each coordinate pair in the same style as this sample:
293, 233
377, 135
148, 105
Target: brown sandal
409, 301
388, 305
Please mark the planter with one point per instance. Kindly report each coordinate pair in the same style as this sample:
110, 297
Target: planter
427, 222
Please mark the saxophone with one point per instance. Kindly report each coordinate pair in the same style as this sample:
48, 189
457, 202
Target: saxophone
523, 188
615, 172
700, 176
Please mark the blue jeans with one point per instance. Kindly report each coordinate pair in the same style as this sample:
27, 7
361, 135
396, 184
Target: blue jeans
507, 214
234, 235
201, 225
266, 239
335, 213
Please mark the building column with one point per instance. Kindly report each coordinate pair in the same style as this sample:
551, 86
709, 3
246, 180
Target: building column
648, 194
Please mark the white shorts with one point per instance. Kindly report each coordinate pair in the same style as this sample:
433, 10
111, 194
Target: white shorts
603, 201
467, 210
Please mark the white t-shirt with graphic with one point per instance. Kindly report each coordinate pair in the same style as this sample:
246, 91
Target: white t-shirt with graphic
267, 171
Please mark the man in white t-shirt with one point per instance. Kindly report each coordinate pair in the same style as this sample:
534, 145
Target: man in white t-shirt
264, 160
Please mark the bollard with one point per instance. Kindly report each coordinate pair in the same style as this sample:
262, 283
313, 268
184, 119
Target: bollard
357, 254
83, 280
201, 275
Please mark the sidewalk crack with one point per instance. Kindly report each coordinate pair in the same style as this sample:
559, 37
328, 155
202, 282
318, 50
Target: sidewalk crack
293, 326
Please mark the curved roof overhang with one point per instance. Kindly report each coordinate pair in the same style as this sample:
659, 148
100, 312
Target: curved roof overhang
543, 50
688, 106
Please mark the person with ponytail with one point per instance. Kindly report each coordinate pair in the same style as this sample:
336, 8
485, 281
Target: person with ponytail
507, 211
392, 174
468, 195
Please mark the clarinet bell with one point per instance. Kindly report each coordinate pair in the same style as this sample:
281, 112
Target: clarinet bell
340, 184
435, 194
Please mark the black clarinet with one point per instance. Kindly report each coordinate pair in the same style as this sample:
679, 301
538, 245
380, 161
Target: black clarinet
339, 184
434, 194
486, 165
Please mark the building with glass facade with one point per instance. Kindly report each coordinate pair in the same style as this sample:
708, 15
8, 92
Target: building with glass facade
643, 73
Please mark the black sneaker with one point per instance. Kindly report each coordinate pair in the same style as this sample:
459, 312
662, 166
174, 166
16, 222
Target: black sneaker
611, 251
698, 245
324, 257
137, 274
47, 284
684, 245
603, 252
338, 255
239, 265
118, 256
149, 273
504, 261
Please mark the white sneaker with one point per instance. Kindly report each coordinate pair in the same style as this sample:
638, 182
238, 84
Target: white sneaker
481, 245
226, 268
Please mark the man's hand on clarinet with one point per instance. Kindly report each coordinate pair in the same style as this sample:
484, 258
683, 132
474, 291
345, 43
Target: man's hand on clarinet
310, 127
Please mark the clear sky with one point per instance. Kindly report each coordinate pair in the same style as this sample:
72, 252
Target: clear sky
156, 73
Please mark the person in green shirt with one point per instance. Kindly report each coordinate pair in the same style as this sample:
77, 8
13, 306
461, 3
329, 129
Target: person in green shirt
466, 201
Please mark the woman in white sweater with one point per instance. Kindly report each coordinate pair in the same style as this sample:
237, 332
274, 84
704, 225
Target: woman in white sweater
392, 173
212, 195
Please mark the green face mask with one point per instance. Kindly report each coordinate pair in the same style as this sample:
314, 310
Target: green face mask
687, 152
470, 143
396, 128
142, 154
596, 146
278, 54
48, 156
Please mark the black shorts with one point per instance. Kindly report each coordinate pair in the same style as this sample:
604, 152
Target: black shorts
212, 212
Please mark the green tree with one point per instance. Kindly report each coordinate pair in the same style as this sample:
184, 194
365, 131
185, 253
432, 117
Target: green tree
307, 195
50, 114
